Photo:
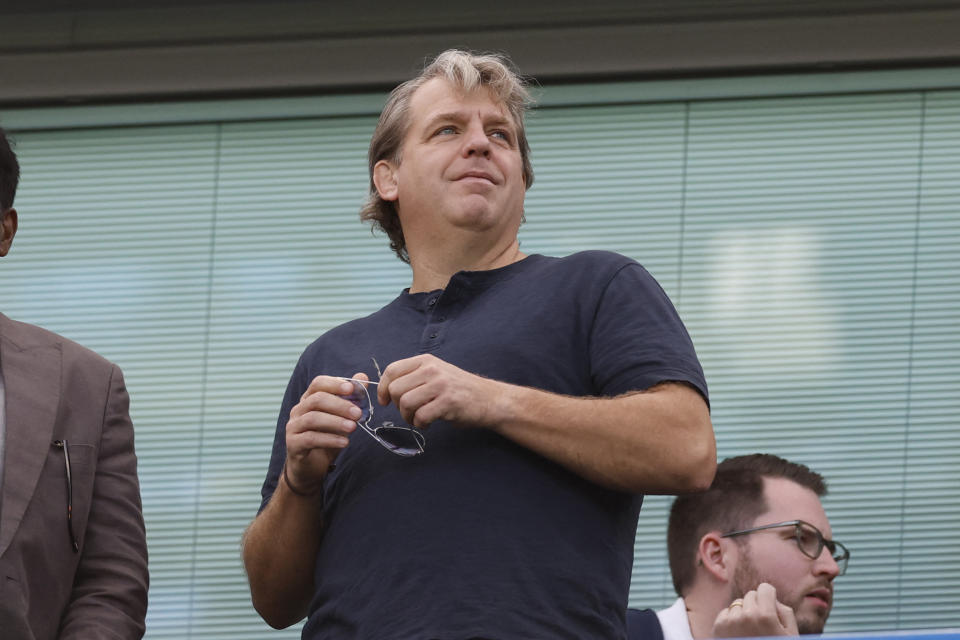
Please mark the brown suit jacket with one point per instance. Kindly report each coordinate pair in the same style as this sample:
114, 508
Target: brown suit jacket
58, 390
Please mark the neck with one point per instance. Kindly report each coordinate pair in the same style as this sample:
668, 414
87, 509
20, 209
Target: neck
702, 611
433, 270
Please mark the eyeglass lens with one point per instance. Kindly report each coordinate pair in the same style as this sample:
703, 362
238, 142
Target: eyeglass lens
401, 440
812, 542
361, 398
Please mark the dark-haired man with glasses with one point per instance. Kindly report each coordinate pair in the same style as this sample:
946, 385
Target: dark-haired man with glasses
752, 556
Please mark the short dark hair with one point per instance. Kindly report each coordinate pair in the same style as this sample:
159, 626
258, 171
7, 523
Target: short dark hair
733, 501
467, 71
9, 173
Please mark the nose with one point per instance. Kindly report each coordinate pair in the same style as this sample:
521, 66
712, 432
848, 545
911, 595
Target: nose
475, 140
826, 565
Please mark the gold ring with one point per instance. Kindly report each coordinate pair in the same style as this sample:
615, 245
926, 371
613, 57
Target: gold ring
736, 603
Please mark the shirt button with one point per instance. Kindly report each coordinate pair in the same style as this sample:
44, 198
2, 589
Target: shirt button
433, 336
432, 302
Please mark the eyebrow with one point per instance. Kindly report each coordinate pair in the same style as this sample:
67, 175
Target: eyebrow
461, 116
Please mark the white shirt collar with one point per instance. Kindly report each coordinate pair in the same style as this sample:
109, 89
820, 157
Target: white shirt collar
674, 621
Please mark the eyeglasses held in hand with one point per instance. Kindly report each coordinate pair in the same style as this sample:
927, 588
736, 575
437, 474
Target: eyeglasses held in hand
62, 444
809, 539
402, 440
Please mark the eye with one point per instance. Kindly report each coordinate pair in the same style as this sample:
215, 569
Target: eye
501, 134
445, 131
808, 540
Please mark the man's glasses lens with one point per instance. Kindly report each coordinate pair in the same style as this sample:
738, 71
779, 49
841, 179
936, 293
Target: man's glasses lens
402, 440
812, 542
809, 540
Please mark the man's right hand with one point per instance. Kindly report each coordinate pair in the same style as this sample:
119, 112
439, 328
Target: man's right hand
760, 614
318, 429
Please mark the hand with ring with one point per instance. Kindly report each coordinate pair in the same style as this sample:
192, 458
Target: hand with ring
757, 614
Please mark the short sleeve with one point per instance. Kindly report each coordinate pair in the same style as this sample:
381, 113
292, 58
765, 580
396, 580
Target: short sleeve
637, 339
299, 381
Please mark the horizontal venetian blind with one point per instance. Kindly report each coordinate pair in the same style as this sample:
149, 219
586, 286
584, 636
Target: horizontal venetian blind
806, 238
811, 243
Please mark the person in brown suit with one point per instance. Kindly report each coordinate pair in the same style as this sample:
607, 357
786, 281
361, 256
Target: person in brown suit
73, 553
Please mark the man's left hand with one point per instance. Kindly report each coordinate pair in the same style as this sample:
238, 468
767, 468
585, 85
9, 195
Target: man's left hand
426, 388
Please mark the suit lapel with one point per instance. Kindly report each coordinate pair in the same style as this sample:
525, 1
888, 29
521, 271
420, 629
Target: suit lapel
31, 378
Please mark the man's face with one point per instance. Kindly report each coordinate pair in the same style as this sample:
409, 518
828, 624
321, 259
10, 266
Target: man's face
773, 556
460, 167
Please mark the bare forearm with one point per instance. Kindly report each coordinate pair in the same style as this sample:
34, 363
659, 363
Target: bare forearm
280, 546
279, 550
658, 441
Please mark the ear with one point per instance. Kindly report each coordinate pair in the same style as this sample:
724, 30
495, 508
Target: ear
717, 556
8, 229
385, 180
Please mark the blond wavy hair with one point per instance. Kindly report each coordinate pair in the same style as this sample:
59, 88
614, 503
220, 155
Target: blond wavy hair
467, 72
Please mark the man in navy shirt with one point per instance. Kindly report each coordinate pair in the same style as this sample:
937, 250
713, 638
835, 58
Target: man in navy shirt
488, 483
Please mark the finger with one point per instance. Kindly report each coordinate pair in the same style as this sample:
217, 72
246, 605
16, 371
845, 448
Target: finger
388, 375
419, 406
720, 623
328, 384
750, 603
302, 443
359, 396
736, 609
302, 438
725, 625
766, 596
388, 390
344, 406
312, 446
788, 619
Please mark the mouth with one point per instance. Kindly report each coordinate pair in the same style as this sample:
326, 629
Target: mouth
476, 176
820, 597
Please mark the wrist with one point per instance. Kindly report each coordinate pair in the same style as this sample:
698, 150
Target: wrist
510, 405
314, 491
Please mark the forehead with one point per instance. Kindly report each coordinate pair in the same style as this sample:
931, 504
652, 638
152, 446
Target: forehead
787, 500
439, 97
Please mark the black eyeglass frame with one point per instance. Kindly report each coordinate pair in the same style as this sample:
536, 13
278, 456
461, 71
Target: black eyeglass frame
62, 444
832, 545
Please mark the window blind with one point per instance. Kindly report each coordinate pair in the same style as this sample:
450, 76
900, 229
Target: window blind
810, 242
